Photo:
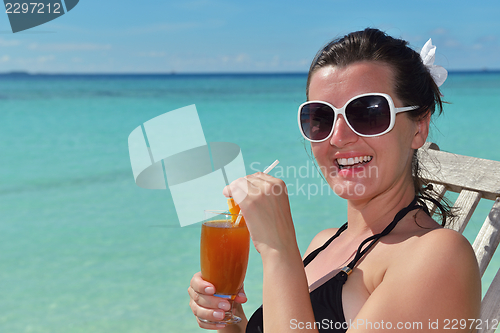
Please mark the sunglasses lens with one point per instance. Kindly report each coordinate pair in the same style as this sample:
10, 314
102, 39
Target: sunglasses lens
369, 115
316, 120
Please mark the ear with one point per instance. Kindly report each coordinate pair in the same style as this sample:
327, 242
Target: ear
422, 131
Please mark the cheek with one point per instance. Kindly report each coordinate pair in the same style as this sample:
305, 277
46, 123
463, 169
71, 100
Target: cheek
319, 152
406, 128
397, 154
315, 150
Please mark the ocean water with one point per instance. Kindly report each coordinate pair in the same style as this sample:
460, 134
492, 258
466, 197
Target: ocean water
83, 249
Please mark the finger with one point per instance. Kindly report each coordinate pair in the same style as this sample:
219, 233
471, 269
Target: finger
199, 285
241, 297
265, 178
264, 184
227, 191
209, 302
238, 189
203, 315
208, 326
262, 175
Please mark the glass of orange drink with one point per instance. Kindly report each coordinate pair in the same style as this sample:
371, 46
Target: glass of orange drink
224, 250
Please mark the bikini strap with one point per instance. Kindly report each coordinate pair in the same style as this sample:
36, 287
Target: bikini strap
361, 252
314, 253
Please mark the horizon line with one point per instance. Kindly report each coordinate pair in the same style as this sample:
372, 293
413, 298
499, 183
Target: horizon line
174, 73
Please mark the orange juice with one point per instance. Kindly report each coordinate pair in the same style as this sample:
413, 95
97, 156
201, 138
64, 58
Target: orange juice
224, 255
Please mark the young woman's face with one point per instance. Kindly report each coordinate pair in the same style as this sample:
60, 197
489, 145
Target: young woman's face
359, 167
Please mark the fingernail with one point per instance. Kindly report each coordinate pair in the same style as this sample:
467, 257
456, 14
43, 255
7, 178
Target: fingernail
242, 295
210, 290
224, 306
219, 314
220, 325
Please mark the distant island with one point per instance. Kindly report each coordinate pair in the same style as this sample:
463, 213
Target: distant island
16, 73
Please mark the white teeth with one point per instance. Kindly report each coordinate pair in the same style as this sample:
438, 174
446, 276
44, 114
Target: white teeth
344, 162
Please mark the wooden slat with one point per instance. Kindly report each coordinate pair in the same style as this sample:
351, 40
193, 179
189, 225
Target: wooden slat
465, 204
430, 145
459, 172
488, 237
440, 190
490, 306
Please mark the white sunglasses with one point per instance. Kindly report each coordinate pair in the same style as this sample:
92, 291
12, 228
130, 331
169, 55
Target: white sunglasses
367, 115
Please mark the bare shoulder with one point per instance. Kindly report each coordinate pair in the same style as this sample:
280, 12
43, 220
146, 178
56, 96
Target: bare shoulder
440, 250
445, 244
438, 271
320, 239
445, 261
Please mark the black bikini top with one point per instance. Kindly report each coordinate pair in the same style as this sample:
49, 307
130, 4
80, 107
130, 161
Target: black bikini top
326, 300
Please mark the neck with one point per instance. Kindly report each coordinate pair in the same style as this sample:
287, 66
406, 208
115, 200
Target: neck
373, 215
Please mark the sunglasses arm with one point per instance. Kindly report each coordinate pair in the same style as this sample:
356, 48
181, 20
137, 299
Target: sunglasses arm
406, 108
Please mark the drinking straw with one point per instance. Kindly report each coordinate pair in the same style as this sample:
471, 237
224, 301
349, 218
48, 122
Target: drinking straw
268, 169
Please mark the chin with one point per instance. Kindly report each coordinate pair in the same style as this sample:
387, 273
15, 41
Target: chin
350, 190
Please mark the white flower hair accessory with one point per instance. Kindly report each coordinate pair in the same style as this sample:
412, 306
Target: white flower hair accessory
428, 55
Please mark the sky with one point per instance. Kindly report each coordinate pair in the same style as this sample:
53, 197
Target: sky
214, 36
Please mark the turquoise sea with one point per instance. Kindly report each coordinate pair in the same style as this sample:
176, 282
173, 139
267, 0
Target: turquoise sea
85, 250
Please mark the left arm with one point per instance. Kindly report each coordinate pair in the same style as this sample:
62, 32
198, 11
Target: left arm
429, 288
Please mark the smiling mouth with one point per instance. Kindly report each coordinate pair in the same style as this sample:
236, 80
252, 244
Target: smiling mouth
353, 162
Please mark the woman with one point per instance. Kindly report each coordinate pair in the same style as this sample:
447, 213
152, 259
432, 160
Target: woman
391, 266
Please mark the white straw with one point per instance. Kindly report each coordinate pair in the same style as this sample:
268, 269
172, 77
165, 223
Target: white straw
268, 169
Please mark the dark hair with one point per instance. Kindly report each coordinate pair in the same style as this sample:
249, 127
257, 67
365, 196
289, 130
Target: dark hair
413, 84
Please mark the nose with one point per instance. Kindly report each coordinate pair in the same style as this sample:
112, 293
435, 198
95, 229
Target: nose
342, 134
